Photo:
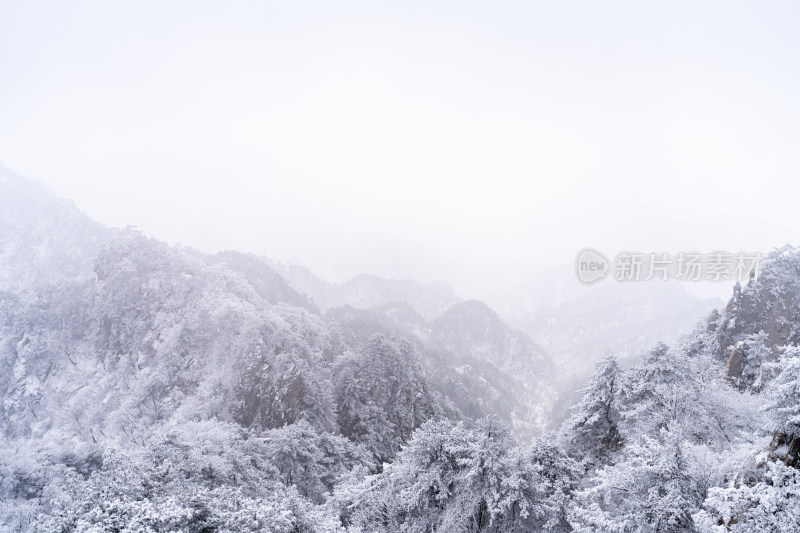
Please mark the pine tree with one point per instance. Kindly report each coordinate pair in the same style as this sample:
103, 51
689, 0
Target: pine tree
650, 491
592, 432
755, 354
660, 392
771, 505
783, 406
382, 396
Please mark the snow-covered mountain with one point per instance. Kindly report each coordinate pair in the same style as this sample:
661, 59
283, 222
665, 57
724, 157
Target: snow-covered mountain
481, 366
146, 387
107, 334
42, 237
577, 324
367, 291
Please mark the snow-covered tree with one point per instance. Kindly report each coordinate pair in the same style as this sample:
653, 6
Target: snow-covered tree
755, 353
311, 461
784, 393
664, 390
382, 396
783, 406
650, 491
454, 478
771, 505
593, 430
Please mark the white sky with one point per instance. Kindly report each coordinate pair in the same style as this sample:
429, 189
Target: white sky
475, 143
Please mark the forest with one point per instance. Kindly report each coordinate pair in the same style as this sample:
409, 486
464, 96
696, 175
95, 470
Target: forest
146, 387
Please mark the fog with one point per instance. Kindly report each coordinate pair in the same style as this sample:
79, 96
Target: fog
452, 141
362, 266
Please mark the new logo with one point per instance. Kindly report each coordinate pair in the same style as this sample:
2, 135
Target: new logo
591, 266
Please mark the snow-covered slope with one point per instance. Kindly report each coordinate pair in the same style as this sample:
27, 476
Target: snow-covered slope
42, 238
367, 291
106, 334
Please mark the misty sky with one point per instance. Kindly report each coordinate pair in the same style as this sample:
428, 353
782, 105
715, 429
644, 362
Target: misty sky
476, 143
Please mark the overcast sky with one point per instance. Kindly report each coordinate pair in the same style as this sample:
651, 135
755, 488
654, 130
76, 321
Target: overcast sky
475, 143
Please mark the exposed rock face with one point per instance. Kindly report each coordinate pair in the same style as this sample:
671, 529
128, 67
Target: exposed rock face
786, 448
712, 321
735, 364
761, 320
770, 304
754, 309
